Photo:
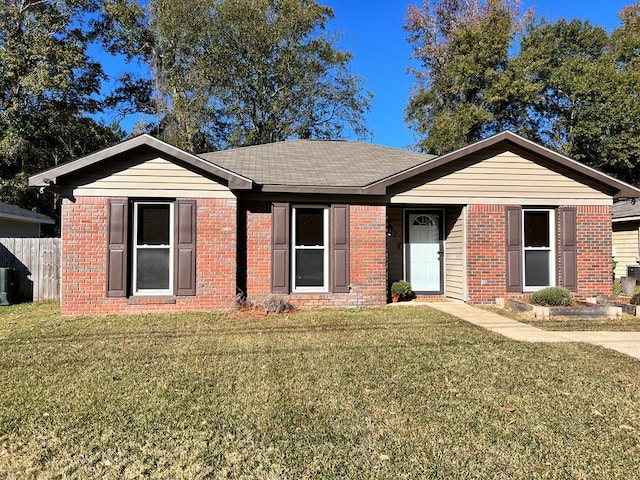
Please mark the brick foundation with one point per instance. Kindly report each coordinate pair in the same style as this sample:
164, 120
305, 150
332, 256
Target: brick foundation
84, 266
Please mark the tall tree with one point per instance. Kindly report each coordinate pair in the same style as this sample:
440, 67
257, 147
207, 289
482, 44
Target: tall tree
618, 151
243, 73
48, 85
464, 91
561, 62
568, 84
585, 84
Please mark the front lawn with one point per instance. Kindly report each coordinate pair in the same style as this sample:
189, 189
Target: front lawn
359, 393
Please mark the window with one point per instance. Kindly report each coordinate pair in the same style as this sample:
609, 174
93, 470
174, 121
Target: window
538, 245
310, 254
153, 248
310, 248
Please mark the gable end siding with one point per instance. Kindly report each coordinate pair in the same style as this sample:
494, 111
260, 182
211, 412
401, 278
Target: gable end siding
496, 178
147, 177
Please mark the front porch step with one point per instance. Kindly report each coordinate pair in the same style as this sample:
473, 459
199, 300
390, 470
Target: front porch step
431, 298
420, 299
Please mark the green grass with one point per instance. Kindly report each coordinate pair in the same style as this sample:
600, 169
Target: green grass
360, 393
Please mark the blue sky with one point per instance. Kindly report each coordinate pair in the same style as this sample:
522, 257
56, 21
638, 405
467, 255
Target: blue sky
372, 31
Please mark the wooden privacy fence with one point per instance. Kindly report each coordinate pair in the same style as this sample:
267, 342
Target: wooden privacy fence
37, 266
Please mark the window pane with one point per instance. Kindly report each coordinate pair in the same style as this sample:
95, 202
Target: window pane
310, 226
152, 269
153, 224
309, 268
536, 229
536, 268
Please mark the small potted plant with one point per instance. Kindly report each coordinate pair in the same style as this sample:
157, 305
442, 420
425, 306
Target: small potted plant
400, 289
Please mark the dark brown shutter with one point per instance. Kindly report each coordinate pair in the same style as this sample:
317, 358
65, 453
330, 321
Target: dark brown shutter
117, 248
568, 248
280, 248
514, 249
185, 247
339, 253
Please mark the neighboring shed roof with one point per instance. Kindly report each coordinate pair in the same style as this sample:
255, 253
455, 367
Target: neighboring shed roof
625, 210
11, 212
317, 163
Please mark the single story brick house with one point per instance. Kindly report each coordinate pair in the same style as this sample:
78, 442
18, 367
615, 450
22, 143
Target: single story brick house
149, 227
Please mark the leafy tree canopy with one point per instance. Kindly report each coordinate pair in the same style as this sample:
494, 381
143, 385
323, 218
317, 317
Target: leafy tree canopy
215, 74
241, 73
486, 67
48, 87
463, 80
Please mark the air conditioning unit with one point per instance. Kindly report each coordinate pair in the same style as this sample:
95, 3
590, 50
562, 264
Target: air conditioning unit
633, 271
7, 286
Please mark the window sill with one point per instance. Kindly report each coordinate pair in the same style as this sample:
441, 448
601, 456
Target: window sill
535, 289
152, 300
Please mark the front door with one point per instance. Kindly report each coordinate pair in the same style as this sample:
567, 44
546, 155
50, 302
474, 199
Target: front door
424, 252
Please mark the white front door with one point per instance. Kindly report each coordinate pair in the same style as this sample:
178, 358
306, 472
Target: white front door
424, 252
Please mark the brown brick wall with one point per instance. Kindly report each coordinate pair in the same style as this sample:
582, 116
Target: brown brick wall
486, 257
258, 248
594, 251
367, 264
84, 254
368, 255
486, 262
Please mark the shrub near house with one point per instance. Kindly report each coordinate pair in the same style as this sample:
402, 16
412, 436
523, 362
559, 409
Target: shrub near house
552, 297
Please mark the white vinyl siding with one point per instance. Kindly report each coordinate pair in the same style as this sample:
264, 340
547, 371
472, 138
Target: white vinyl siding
625, 243
156, 177
506, 179
455, 253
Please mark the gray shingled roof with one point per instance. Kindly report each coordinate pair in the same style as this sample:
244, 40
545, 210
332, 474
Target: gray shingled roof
17, 213
626, 209
316, 163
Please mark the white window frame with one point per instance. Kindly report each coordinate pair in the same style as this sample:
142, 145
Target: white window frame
551, 249
148, 292
294, 248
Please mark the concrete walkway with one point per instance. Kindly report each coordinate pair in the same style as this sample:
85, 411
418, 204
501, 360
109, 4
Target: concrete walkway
623, 342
